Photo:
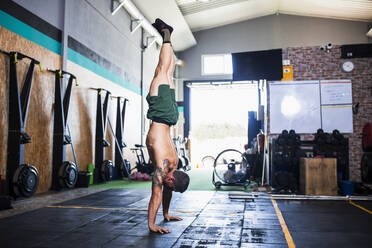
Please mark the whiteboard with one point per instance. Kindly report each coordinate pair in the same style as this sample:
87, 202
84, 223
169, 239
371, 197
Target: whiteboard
337, 117
336, 92
295, 105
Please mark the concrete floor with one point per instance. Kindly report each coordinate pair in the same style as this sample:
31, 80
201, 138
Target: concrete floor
118, 218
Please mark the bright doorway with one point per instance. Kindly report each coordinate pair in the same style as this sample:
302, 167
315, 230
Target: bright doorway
219, 117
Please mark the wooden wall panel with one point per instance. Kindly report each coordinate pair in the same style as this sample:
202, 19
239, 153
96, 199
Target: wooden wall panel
3, 112
40, 117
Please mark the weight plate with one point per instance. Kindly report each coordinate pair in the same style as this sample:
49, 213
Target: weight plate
67, 175
285, 133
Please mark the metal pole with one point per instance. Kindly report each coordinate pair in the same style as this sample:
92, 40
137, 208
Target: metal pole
252, 196
142, 87
64, 42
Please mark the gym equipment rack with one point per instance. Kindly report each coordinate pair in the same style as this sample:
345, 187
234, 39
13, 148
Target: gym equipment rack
22, 179
121, 166
103, 168
65, 173
287, 150
285, 161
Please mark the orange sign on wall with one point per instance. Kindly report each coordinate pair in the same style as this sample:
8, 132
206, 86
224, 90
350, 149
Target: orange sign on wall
287, 73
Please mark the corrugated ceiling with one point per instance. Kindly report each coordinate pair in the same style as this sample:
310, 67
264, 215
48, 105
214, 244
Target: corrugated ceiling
188, 7
202, 14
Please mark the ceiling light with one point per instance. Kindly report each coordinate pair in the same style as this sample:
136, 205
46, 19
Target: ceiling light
180, 62
369, 34
290, 106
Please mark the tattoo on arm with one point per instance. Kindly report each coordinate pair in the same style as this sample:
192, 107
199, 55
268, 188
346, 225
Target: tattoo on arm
157, 179
166, 164
160, 173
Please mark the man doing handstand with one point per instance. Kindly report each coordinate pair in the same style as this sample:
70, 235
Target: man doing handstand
163, 112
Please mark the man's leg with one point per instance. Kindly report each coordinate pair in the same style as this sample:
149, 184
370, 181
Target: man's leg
170, 71
172, 85
161, 71
165, 57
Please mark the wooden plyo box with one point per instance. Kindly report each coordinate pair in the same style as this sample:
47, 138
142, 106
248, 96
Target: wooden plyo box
318, 176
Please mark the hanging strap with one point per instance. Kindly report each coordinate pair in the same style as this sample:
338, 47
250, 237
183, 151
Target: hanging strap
105, 109
123, 113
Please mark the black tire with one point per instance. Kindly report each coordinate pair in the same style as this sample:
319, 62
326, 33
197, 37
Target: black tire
106, 170
187, 166
366, 167
187, 161
68, 175
217, 185
181, 163
25, 180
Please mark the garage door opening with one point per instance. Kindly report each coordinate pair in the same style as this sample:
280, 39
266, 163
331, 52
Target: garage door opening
219, 117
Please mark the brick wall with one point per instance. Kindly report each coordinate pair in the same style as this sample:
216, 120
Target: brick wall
309, 63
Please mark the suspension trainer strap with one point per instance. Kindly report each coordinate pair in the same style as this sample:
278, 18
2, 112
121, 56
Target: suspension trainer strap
66, 98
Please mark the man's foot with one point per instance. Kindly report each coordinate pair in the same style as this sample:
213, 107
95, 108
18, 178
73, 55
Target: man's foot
160, 25
164, 29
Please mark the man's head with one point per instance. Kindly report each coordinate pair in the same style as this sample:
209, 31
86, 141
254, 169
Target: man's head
177, 181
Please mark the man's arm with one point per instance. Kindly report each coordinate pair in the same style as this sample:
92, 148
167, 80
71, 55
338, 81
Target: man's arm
167, 196
156, 198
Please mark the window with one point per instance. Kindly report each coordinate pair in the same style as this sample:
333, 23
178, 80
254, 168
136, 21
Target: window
216, 64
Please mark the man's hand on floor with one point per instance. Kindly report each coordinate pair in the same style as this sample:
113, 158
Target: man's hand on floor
171, 218
159, 229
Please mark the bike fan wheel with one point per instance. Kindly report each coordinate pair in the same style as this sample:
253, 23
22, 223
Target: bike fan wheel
208, 161
230, 166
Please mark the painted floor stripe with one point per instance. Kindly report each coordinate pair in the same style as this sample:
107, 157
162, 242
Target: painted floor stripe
358, 206
287, 235
120, 209
131, 209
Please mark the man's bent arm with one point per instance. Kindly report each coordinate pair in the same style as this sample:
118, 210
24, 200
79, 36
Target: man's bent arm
167, 196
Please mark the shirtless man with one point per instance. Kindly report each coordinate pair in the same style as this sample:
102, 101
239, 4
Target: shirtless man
163, 112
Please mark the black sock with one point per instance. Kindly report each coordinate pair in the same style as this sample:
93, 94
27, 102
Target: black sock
166, 35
